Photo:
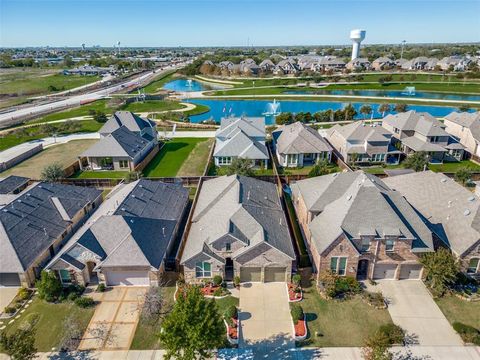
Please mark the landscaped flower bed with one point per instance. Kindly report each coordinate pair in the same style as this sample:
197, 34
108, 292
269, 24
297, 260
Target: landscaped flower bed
295, 292
299, 322
17, 303
232, 323
375, 299
209, 290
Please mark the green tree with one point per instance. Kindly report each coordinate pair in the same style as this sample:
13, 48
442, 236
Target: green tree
284, 118
440, 269
383, 108
53, 172
21, 344
376, 347
463, 107
399, 108
322, 168
417, 161
463, 175
99, 116
193, 329
365, 110
240, 167
349, 112
49, 286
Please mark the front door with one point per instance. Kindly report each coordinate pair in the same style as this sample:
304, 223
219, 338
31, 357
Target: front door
228, 269
362, 271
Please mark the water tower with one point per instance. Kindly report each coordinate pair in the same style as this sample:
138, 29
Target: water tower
357, 37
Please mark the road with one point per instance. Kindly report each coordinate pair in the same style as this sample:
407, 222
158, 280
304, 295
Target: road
13, 117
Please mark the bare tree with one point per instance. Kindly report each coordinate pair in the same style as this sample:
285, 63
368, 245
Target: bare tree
154, 304
72, 334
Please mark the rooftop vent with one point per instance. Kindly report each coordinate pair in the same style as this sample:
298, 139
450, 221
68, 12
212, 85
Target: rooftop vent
471, 198
443, 180
349, 197
466, 212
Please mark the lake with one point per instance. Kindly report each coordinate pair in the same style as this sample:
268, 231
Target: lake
188, 85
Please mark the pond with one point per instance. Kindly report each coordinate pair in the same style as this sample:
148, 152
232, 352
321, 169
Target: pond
188, 85
390, 93
222, 108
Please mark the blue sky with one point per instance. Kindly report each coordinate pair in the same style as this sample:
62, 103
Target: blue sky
234, 22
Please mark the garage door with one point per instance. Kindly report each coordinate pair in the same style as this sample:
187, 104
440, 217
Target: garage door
410, 271
132, 278
250, 274
9, 279
274, 274
384, 271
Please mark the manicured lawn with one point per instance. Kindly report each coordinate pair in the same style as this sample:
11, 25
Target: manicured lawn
339, 323
451, 167
100, 174
195, 163
171, 157
153, 106
456, 309
49, 328
304, 170
199, 109
224, 303
84, 110
63, 154
157, 85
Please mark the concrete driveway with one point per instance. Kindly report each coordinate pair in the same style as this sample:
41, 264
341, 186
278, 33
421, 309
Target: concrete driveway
7, 294
115, 320
266, 324
412, 308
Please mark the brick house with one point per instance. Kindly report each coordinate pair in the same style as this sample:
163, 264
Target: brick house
238, 229
355, 225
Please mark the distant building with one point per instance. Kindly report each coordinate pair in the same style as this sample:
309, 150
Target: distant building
465, 127
88, 70
358, 64
383, 63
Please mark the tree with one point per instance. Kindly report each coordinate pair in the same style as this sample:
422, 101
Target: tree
72, 334
21, 344
240, 167
349, 112
365, 110
400, 107
49, 286
284, 118
193, 329
53, 172
320, 169
383, 108
463, 175
440, 269
154, 304
463, 107
376, 347
417, 161
100, 116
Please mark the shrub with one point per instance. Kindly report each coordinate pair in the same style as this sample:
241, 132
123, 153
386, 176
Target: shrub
375, 299
49, 287
231, 312
468, 333
296, 279
218, 292
72, 296
84, 302
75, 289
394, 333
23, 294
217, 280
101, 288
348, 285
297, 313
236, 280
9, 310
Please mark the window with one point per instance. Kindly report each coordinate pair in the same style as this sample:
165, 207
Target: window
473, 266
123, 164
203, 269
338, 265
224, 160
389, 243
365, 244
228, 246
65, 276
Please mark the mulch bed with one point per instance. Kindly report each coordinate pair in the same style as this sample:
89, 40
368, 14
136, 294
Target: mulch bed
300, 328
233, 331
209, 289
292, 295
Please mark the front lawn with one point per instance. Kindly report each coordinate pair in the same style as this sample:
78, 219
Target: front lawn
49, 328
172, 156
458, 310
334, 323
103, 174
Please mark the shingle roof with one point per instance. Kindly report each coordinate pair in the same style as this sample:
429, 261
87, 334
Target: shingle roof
240, 145
11, 183
128, 119
360, 131
451, 210
420, 122
32, 221
358, 204
242, 207
298, 138
468, 120
251, 126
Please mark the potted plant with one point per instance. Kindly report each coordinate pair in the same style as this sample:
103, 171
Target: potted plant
236, 281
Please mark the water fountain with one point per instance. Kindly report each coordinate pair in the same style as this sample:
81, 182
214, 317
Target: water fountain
409, 90
189, 83
273, 108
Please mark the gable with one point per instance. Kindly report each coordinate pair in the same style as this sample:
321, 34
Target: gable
262, 255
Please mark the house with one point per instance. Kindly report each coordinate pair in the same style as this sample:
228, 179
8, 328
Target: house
127, 142
285, 67
226, 65
267, 65
363, 144
465, 127
420, 63
451, 211
36, 223
422, 132
298, 145
129, 239
383, 63
457, 63
249, 66
242, 137
238, 229
358, 64
355, 225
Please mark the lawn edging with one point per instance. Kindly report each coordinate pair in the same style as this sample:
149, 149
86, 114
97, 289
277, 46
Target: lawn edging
231, 340
304, 328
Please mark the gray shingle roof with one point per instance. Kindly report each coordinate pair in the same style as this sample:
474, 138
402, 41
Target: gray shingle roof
298, 138
30, 224
11, 183
468, 120
251, 126
240, 145
420, 122
128, 119
238, 206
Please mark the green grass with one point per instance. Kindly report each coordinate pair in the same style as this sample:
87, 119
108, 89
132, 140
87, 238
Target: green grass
456, 309
224, 303
153, 106
171, 157
84, 110
199, 109
100, 174
305, 170
196, 161
37, 84
157, 85
448, 167
49, 328
340, 323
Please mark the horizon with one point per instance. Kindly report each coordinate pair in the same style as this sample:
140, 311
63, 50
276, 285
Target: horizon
248, 23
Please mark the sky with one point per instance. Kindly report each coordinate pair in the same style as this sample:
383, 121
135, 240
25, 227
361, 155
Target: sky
169, 23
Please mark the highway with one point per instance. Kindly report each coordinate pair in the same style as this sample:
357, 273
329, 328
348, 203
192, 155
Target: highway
19, 115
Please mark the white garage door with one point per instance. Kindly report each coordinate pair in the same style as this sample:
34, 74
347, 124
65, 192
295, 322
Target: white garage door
384, 271
132, 278
410, 271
